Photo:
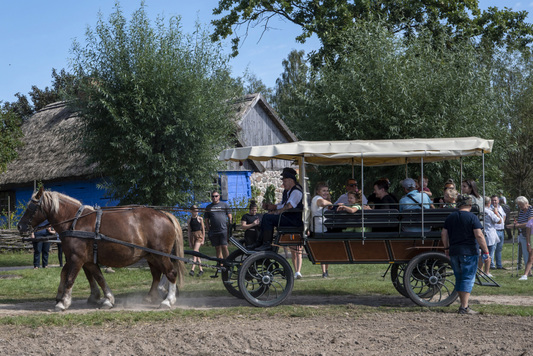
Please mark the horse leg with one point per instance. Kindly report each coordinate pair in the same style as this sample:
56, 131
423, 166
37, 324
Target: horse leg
70, 269
109, 299
153, 294
162, 287
61, 288
171, 276
94, 298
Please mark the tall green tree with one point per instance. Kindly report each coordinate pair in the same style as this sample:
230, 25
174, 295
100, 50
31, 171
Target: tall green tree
292, 81
10, 135
155, 104
381, 86
457, 18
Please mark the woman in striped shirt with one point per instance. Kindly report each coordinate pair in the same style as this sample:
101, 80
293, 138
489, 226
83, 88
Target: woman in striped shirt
524, 215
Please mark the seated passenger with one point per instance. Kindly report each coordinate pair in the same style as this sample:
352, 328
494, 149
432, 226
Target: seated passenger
250, 223
320, 201
423, 185
351, 186
413, 200
448, 185
293, 199
354, 205
449, 199
468, 186
385, 200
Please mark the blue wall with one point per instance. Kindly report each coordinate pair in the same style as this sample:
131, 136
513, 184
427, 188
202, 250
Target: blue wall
83, 190
239, 189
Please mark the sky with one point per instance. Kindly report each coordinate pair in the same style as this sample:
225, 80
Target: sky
38, 35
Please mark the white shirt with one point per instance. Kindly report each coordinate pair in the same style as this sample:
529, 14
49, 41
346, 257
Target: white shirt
317, 215
294, 198
500, 226
490, 232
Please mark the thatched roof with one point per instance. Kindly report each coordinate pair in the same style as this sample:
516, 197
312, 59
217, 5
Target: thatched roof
50, 150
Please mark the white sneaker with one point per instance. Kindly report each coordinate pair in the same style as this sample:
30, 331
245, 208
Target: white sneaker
298, 275
489, 275
523, 278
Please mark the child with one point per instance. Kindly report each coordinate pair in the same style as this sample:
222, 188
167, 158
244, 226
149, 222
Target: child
424, 186
354, 205
196, 234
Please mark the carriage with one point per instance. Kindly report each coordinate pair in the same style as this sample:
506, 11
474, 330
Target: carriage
408, 242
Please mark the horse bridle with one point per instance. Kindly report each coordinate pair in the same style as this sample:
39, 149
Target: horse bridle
33, 207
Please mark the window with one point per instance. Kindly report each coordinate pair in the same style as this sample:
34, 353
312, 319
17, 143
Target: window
7, 197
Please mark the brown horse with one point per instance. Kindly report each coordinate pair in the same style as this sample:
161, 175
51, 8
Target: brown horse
140, 226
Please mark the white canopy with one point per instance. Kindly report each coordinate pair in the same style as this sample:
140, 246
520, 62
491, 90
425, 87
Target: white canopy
373, 153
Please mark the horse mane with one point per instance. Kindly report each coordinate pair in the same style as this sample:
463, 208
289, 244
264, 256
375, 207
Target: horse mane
50, 200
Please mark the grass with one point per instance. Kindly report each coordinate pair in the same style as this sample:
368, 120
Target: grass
28, 285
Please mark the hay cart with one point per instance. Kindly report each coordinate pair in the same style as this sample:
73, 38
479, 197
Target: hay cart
418, 267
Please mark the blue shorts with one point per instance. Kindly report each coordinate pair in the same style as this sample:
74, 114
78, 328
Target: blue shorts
464, 268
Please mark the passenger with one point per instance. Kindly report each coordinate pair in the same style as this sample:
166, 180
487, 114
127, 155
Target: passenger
413, 196
414, 200
280, 215
469, 186
386, 200
423, 183
449, 199
320, 202
351, 186
354, 205
250, 223
448, 185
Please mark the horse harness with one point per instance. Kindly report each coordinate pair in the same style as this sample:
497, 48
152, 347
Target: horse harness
96, 235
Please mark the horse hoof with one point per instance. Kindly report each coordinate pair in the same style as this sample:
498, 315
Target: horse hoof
106, 305
59, 307
165, 304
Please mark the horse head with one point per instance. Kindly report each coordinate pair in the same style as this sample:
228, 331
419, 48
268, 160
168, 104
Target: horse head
34, 214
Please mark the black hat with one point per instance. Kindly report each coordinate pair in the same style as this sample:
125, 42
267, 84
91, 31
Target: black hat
289, 173
288, 170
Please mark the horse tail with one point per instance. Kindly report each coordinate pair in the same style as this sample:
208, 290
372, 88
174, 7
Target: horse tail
178, 249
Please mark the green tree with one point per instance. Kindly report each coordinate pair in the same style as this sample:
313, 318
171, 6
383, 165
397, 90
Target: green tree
381, 86
457, 18
517, 84
10, 135
252, 84
156, 107
293, 80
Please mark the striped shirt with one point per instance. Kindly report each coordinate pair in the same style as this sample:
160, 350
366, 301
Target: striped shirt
523, 217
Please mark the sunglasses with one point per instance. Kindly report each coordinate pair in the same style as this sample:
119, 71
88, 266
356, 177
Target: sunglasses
352, 185
215, 196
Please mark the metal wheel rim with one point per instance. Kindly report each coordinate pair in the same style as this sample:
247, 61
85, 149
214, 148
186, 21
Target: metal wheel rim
429, 280
266, 279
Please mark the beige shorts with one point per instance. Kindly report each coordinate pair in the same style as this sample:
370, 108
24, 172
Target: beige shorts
197, 236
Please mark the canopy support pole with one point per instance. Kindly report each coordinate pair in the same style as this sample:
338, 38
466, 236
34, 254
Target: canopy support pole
362, 190
301, 163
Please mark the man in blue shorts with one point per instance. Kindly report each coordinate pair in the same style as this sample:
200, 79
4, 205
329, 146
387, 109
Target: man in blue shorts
217, 214
462, 236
